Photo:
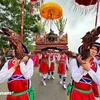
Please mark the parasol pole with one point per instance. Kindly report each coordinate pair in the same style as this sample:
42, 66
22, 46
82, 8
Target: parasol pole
22, 20
51, 15
50, 24
96, 18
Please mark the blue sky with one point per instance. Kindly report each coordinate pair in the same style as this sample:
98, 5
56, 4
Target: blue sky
77, 24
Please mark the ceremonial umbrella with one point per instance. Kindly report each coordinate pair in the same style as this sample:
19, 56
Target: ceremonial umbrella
88, 3
51, 11
93, 35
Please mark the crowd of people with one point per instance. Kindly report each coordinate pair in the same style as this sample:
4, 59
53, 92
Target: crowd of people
50, 61
18, 72
85, 73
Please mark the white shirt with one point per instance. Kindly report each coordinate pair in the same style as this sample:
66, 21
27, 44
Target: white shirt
26, 69
97, 61
67, 61
78, 73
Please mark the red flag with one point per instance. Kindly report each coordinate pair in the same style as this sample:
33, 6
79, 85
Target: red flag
86, 2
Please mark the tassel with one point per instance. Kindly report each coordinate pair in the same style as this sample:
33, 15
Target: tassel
68, 90
82, 12
31, 93
68, 97
75, 8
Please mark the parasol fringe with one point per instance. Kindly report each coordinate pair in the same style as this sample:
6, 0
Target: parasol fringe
93, 11
71, 5
83, 11
86, 11
74, 8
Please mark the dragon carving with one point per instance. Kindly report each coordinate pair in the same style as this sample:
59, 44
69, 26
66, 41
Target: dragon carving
15, 42
90, 37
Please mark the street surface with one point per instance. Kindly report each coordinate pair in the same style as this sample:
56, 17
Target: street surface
53, 90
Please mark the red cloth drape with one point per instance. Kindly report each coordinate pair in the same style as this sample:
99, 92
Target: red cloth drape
86, 2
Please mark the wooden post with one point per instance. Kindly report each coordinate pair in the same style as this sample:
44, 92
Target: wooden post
22, 21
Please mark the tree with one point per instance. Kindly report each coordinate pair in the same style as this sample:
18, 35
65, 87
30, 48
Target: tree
10, 15
39, 27
3, 42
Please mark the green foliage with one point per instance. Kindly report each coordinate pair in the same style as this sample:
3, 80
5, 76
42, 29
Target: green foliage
3, 42
39, 27
61, 23
10, 16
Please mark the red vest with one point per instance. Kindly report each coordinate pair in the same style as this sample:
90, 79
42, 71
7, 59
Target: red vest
17, 82
44, 67
86, 82
62, 65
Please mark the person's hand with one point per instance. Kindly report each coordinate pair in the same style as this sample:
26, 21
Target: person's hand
16, 63
84, 63
86, 66
25, 58
79, 58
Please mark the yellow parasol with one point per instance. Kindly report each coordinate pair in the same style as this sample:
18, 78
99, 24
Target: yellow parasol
51, 11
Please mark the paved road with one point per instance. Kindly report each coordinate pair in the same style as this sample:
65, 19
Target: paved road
53, 90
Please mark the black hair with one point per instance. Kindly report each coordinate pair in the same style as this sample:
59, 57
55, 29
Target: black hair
98, 48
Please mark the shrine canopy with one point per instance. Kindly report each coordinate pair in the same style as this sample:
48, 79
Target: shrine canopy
86, 2
51, 11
